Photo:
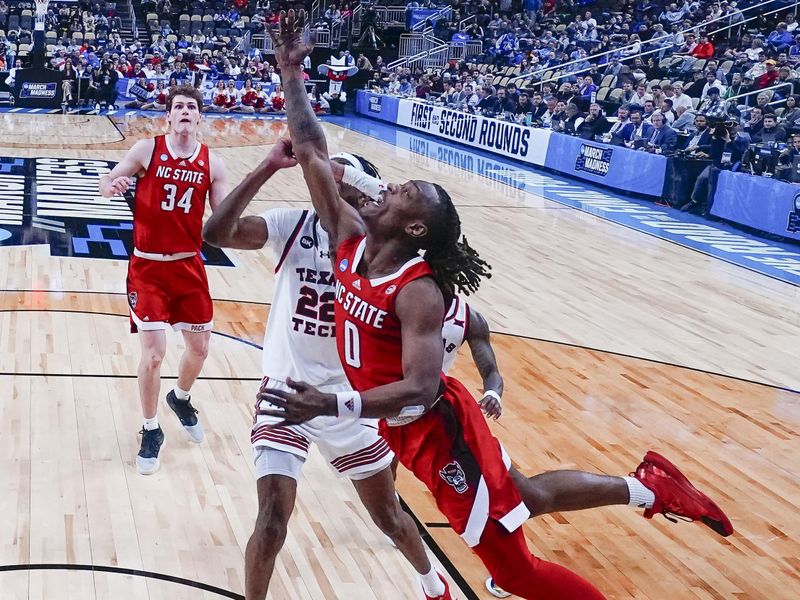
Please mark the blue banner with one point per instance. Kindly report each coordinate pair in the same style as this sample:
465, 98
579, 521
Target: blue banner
615, 166
758, 202
420, 14
377, 106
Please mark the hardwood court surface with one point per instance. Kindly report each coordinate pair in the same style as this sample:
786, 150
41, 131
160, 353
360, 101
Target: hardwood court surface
611, 342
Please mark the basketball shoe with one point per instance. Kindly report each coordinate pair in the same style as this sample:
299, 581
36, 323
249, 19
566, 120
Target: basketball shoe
444, 596
187, 414
147, 461
494, 590
675, 495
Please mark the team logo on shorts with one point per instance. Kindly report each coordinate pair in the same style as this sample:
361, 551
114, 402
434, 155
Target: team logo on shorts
343, 265
133, 297
306, 242
453, 474
391, 290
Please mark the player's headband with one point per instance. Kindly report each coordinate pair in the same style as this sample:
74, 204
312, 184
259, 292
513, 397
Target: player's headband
349, 159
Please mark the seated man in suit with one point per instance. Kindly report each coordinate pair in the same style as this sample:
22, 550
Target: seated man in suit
699, 145
663, 140
637, 132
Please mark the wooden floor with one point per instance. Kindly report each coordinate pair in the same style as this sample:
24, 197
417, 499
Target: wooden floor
611, 342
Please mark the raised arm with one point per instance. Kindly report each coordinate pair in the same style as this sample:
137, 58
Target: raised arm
118, 181
478, 338
292, 44
227, 228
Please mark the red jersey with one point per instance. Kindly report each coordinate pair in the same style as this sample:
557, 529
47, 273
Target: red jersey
170, 201
369, 342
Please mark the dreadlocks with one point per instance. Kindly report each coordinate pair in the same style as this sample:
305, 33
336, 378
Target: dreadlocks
455, 264
368, 167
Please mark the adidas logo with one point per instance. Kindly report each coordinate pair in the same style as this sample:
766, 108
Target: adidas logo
349, 405
146, 319
357, 284
183, 163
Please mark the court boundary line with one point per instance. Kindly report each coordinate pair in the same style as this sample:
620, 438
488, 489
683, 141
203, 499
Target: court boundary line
656, 361
206, 587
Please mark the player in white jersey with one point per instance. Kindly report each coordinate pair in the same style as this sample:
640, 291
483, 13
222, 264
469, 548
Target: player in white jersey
299, 344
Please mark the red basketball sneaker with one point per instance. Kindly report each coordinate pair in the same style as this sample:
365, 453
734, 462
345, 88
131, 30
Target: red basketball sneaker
675, 495
446, 595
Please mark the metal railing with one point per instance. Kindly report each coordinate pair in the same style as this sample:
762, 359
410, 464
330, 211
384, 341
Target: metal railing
655, 50
756, 93
466, 21
460, 51
134, 26
442, 13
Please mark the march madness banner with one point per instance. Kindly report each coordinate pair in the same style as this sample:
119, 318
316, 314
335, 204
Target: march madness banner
56, 201
493, 135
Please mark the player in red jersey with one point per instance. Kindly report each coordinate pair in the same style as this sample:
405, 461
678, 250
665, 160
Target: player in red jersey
389, 312
167, 283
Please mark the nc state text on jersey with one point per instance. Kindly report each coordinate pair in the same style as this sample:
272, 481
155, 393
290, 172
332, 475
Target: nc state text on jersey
358, 309
183, 175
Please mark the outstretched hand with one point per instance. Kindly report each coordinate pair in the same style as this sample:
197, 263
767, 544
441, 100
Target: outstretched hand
305, 403
491, 407
291, 41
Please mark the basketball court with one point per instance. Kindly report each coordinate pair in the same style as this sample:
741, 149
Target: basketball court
611, 341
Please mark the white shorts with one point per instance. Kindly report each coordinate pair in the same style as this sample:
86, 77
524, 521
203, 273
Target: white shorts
353, 448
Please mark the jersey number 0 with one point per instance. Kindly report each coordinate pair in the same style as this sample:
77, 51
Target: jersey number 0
185, 202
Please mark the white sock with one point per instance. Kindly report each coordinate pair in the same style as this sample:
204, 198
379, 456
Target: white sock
150, 424
432, 584
180, 394
640, 495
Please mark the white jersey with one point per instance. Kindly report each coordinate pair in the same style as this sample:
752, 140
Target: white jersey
300, 339
454, 331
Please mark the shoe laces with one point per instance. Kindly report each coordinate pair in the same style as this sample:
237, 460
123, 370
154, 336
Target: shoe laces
149, 438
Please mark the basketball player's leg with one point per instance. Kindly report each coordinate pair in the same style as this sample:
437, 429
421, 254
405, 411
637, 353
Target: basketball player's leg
517, 571
193, 357
191, 313
153, 348
565, 490
378, 495
277, 473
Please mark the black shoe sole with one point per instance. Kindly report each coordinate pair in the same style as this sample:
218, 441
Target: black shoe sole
717, 526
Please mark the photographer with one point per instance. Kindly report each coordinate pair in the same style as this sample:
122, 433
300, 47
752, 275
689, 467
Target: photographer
728, 145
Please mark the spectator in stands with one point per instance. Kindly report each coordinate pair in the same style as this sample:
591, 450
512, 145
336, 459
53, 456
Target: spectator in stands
779, 40
663, 139
754, 122
791, 118
613, 135
711, 82
472, 99
424, 87
538, 105
588, 89
649, 110
667, 111
788, 156
794, 51
679, 99
713, 106
770, 132
594, 124
635, 133
641, 96
699, 145
550, 113
704, 48
769, 76
505, 104
524, 107
685, 119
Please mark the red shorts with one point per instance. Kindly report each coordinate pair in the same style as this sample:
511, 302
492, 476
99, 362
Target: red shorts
453, 452
169, 293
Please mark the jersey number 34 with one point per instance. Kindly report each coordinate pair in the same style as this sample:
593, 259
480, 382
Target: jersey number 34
185, 201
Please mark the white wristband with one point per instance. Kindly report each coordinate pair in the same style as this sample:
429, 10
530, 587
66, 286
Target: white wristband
348, 405
493, 394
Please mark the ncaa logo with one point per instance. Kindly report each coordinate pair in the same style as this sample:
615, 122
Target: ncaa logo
163, 157
306, 242
391, 290
133, 297
343, 265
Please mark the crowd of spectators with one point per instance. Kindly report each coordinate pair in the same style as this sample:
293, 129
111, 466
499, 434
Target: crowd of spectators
652, 76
